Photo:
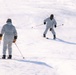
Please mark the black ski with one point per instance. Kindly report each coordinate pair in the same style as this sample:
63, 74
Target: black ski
50, 38
47, 38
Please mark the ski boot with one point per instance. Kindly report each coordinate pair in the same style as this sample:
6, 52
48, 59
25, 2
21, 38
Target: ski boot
44, 35
10, 57
4, 57
54, 37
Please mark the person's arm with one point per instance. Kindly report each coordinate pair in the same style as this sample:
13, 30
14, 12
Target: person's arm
2, 32
55, 23
45, 21
15, 35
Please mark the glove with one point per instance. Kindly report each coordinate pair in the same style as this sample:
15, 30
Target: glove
50, 29
44, 22
55, 26
15, 37
14, 40
0, 36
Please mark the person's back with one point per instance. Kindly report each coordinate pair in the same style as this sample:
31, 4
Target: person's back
9, 31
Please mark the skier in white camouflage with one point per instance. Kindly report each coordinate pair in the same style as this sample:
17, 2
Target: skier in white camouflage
50, 24
10, 36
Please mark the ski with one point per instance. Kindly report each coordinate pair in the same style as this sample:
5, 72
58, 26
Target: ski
50, 38
47, 38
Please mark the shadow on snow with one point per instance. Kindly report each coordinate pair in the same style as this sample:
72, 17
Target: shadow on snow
67, 42
36, 62
63, 41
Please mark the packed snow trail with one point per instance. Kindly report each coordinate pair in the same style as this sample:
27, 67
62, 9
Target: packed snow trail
39, 52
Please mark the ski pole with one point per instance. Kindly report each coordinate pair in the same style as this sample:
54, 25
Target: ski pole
60, 25
38, 25
19, 51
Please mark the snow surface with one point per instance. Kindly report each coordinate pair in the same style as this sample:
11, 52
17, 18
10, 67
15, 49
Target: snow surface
42, 56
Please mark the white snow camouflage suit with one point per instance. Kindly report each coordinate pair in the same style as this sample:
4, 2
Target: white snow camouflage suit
9, 32
50, 24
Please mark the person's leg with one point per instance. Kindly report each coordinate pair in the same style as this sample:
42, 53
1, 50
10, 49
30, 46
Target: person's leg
4, 50
54, 34
45, 32
10, 50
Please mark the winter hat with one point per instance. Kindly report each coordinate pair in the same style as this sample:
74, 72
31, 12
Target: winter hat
9, 20
51, 16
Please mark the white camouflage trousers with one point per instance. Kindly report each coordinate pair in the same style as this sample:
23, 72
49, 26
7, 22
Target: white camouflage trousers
7, 45
52, 30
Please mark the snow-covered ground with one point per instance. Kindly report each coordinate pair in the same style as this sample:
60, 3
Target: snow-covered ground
42, 56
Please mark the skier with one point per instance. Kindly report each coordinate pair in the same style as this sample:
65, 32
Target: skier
50, 24
10, 36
